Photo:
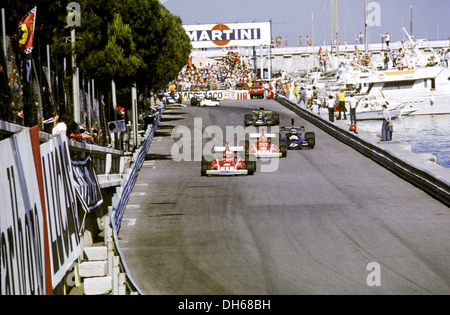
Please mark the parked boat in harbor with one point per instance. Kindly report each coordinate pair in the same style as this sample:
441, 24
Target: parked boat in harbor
371, 109
426, 91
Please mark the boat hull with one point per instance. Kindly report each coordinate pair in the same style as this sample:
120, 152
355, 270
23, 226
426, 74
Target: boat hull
376, 115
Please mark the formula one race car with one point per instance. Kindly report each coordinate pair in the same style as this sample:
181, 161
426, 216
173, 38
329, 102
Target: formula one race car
231, 161
297, 139
262, 117
209, 102
266, 147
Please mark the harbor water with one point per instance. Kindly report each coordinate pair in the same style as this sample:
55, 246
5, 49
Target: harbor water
426, 134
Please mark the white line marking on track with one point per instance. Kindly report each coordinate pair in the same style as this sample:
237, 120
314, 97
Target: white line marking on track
133, 206
134, 194
128, 222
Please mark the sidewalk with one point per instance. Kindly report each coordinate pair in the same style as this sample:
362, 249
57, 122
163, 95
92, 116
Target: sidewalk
424, 161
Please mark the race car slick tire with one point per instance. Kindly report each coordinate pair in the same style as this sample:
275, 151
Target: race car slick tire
246, 145
311, 138
195, 101
204, 168
283, 148
275, 119
250, 168
248, 121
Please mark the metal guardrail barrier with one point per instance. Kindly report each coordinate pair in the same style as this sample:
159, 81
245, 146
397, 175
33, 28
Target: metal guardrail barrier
120, 199
106, 161
428, 182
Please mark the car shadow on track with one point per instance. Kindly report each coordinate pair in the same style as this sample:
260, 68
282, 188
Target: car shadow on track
159, 157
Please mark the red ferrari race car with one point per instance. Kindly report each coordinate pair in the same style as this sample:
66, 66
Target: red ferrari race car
231, 161
265, 145
257, 89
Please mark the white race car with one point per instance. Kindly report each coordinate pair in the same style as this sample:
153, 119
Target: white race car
209, 102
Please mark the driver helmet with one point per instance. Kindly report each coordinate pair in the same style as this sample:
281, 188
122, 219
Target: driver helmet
228, 153
263, 139
293, 132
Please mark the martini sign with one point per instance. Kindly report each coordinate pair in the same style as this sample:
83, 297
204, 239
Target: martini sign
232, 34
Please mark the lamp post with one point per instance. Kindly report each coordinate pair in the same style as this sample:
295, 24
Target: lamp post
74, 19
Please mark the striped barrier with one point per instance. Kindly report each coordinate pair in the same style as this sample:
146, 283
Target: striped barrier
220, 95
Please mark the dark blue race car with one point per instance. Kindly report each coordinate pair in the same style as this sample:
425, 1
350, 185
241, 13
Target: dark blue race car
297, 139
262, 117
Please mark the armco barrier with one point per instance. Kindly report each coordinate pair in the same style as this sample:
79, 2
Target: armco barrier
122, 196
428, 182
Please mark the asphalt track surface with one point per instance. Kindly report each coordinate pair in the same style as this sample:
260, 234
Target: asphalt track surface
311, 227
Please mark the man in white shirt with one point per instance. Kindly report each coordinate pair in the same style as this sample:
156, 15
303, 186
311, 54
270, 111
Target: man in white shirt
315, 107
330, 104
353, 101
266, 89
385, 128
60, 127
309, 95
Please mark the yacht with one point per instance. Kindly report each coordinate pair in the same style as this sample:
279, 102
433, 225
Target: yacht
426, 91
416, 81
371, 108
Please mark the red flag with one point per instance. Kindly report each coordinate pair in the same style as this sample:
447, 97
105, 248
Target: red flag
320, 51
121, 110
26, 31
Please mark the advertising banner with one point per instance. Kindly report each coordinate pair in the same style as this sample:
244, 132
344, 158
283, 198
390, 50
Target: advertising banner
230, 34
61, 206
24, 242
215, 94
117, 126
86, 184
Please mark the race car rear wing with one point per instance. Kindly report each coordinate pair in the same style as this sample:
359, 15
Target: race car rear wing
301, 128
257, 135
233, 149
266, 112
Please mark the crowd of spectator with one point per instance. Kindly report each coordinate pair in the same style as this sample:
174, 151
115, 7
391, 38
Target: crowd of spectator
232, 72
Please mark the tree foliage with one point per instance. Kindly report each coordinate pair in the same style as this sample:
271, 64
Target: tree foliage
118, 58
128, 41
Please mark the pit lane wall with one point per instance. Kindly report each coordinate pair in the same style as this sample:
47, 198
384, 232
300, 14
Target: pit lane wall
434, 182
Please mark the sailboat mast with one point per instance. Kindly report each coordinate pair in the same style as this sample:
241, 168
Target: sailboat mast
332, 25
366, 28
337, 30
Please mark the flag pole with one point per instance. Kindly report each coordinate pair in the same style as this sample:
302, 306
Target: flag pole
76, 104
4, 34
